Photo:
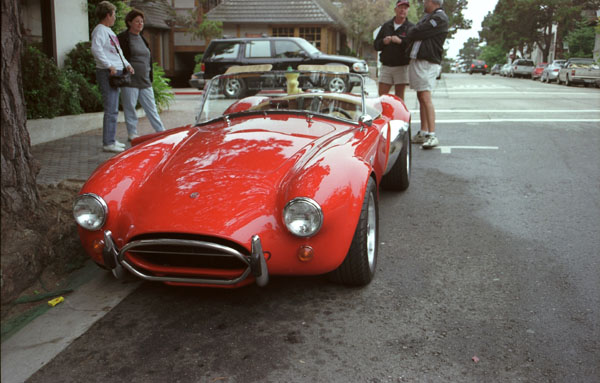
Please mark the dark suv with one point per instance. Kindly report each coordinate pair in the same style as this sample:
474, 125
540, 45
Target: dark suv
281, 52
478, 66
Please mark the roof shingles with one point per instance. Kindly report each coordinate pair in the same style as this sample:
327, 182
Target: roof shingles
156, 12
276, 12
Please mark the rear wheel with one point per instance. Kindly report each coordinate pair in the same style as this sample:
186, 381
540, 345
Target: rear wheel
359, 265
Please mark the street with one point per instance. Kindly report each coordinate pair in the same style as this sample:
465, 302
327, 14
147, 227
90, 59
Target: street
488, 270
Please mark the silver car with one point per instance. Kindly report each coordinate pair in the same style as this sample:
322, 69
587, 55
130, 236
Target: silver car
505, 70
521, 68
550, 72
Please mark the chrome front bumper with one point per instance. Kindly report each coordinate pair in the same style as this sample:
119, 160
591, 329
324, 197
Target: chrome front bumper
256, 264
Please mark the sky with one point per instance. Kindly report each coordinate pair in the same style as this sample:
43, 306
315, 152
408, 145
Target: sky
476, 11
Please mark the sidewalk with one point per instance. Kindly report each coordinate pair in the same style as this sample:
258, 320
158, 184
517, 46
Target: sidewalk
77, 156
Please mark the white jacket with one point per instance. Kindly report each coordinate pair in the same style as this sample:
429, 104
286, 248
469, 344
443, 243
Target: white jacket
104, 48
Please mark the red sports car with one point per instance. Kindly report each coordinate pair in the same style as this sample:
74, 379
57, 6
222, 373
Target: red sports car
279, 177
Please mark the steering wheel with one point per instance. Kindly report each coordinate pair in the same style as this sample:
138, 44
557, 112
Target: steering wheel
337, 109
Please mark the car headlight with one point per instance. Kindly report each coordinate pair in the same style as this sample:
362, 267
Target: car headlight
90, 211
360, 67
303, 217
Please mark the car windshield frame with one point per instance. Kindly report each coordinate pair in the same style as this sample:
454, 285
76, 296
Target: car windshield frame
306, 93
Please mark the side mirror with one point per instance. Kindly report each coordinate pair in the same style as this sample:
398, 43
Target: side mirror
366, 120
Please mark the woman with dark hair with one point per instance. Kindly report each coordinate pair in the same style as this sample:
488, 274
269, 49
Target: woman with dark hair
137, 52
107, 54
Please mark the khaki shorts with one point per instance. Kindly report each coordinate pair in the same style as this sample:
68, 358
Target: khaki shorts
394, 75
422, 75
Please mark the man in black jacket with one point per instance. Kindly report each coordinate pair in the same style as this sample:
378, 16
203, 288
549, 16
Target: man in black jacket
393, 44
428, 38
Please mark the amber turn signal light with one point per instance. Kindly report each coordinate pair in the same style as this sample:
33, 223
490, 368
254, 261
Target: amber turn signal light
98, 246
305, 253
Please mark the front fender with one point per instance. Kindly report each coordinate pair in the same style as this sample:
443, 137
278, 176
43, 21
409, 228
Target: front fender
336, 179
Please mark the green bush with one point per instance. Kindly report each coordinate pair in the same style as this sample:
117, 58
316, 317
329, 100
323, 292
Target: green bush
162, 91
81, 60
90, 97
47, 89
198, 60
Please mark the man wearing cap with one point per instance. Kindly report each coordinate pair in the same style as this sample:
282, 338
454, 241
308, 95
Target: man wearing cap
427, 38
393, 44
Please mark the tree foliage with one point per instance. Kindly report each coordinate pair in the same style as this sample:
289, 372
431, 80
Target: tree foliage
493, 54
197, 25
518, 25
581, 41
363, 17
470, 49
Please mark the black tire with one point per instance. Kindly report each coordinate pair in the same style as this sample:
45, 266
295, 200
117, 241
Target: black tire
398, 178
234, 88
360, 263
567, 82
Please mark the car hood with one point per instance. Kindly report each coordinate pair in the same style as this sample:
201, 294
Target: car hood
224, 178
348, 60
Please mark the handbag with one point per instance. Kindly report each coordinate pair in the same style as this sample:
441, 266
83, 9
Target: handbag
123, 79
120, 80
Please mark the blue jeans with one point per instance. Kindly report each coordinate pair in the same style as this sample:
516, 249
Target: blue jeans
129, 98
110, 101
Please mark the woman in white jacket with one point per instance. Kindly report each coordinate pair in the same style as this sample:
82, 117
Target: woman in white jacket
106, 51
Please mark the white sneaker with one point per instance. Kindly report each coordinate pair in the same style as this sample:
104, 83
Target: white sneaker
419, 138
119, 144
132, 136
114, 148
432, 142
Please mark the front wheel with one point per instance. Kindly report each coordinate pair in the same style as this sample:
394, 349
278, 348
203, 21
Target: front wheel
398, 178
359, 265
336, 85
234, 88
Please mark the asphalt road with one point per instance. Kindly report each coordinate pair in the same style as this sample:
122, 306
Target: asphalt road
488, 270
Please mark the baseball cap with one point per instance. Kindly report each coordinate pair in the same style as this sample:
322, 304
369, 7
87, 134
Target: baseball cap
402, 2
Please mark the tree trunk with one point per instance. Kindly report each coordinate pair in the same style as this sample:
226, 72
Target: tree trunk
19, 169
22, 246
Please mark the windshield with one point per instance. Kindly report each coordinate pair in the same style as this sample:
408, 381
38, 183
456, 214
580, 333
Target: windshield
328, 94
311, 49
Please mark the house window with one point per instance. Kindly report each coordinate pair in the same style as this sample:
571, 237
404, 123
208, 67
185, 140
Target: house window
312, 34
283, 32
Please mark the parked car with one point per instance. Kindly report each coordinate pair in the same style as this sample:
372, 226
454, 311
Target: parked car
505, 70
579, 71
495, 69
282, 182
521, 68
537, 71
550, 72
478, 66
281, 52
